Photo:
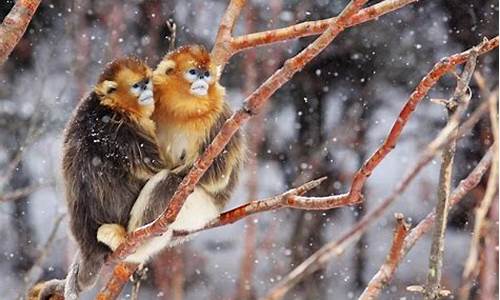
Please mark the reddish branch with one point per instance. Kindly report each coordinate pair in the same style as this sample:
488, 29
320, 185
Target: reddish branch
229, 46
384, 275
121, 274
14, 25
318, 259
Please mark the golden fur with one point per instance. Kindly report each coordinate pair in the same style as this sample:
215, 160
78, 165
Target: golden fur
113, 89
186, 123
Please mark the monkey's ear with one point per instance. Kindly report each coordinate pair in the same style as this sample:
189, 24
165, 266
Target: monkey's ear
165, 67
106, 87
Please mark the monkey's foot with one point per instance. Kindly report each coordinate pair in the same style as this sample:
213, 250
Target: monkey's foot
112, 235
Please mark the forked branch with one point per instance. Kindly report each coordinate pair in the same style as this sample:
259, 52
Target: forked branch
226, 46
321, 257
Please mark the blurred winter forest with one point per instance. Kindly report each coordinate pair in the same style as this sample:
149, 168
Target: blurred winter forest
325, 121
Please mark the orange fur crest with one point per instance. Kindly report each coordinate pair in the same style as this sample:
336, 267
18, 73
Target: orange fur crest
174, 99
114, 86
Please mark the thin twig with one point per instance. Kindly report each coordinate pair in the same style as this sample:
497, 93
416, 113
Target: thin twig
481, 212
14, 25
319, 258
256, 206
456, 106
22, 192
465, 186
386, 271
33, 274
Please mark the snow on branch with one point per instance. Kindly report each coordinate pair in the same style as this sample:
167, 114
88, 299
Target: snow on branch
14, 25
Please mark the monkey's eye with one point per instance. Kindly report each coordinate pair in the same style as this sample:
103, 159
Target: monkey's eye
136, 86
206, 74
191, 75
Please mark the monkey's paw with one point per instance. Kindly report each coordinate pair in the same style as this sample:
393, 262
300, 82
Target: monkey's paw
112, 235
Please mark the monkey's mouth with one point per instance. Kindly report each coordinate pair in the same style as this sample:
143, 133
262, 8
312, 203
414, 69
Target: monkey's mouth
146, 98
199, 88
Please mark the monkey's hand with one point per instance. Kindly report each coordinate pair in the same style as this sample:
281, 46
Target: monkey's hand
112, 235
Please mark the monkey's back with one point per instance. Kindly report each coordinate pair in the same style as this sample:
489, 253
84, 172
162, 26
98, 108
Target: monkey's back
106, 160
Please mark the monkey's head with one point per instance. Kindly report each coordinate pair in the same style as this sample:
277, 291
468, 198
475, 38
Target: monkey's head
126, 85
185, 83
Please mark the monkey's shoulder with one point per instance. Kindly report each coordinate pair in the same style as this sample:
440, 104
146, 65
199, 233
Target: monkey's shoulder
108, 137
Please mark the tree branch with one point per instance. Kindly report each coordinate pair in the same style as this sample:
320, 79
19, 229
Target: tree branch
456, 106
323, 255
465, 186
309, 28
221, 51
14, 25
227, 46
386, 271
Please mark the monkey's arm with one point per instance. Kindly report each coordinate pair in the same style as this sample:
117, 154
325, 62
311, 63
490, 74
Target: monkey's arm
222, 176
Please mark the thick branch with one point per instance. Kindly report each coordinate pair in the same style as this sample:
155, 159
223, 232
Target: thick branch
14, 25
386, 271
222, 46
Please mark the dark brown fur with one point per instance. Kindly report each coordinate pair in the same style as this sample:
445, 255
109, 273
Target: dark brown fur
103, 149
236, 147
